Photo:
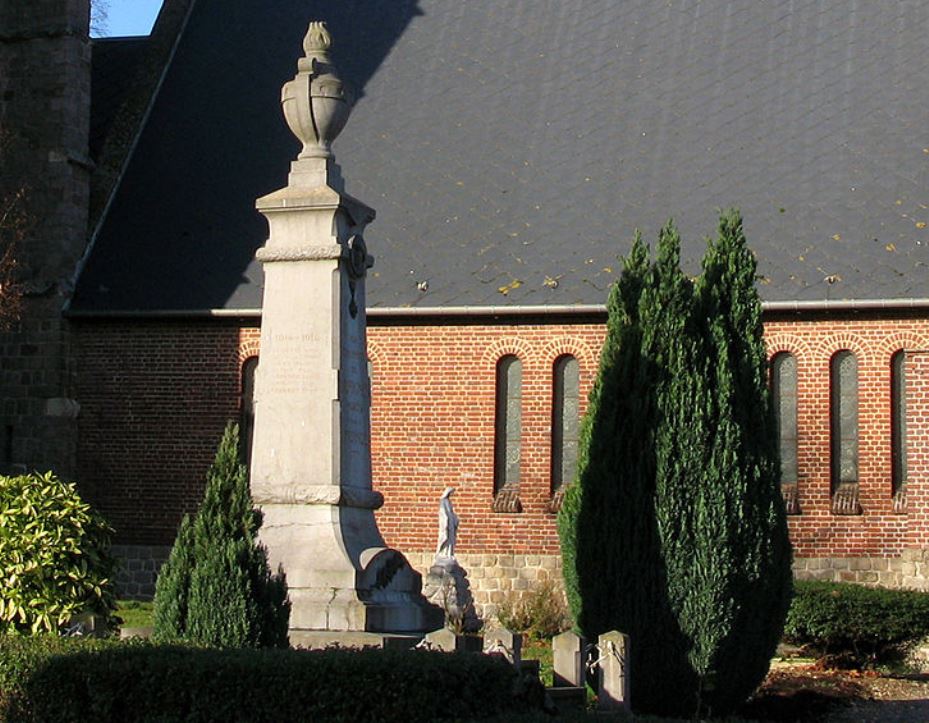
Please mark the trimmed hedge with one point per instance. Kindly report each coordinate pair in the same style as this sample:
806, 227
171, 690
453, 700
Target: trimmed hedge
861, 624
76, 680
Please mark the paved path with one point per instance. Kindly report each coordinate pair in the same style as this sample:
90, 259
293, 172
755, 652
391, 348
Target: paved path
883, 711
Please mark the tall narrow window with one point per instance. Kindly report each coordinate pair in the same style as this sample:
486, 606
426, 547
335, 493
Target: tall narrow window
565, 405
508, 426
247, 409
898, 429
844, 423
784, 393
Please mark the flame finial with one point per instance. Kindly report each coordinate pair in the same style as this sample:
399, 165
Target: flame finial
317, 40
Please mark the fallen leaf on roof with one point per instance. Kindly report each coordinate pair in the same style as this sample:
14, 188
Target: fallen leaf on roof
550, 282
514, 284
762, 279
898, 202
608, 269
801, 258
890, 247
920, 224
832, 278
836, 237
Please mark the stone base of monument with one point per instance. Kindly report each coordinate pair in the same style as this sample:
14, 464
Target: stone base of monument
344, 583
447, 587
319, 639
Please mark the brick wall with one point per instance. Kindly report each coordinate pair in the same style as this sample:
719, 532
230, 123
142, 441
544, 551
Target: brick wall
156, 395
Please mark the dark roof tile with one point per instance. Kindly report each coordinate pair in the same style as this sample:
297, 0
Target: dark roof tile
508, 145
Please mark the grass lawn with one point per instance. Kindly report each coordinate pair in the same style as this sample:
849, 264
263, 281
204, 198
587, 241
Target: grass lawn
135, 613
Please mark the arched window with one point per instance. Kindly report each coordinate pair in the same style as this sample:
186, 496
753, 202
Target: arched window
507, 430
843, 409
784, 394
565, 406
898, 429
247, 410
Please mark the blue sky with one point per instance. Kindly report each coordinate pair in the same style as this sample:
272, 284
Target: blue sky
130, 17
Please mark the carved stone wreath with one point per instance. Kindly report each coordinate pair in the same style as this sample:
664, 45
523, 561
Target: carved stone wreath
357, 263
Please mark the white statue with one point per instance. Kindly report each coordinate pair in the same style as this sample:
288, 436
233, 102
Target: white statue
448, 526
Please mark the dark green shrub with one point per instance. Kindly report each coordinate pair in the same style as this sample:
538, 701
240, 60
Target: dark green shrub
147, 682
21, 657
675, 531
856, 624
54, 554
216, 587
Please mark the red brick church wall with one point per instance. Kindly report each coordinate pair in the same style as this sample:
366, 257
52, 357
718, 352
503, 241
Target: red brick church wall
155, 396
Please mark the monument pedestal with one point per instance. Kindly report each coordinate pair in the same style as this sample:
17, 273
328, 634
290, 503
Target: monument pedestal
311, 456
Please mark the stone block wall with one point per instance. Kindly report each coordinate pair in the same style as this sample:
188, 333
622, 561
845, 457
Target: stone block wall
138, 570
155, 396
495, 578
44, 122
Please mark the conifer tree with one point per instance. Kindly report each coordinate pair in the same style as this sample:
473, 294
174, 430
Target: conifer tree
216, 587
608, 432
674, 532
750, 551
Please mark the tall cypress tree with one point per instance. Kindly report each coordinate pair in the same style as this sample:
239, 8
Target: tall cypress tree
675, 531
216, 587
751, 552
608, 431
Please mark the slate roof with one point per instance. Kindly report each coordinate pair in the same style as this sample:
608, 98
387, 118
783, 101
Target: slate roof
114, 65
514, 146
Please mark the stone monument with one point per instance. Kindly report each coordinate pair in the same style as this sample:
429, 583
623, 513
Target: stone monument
311, 455
447, 583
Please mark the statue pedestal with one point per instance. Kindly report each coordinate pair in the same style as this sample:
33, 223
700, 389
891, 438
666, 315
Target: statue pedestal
447, 587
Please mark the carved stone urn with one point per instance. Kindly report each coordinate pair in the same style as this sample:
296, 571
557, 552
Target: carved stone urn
316, 102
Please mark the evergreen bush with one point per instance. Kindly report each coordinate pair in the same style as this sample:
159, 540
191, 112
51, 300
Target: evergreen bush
216, 587
674, 531
856, 625
54, 556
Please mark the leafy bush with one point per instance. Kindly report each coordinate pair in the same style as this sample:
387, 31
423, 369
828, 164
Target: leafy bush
540, 613
855, 624
675, 531
147, 682
54, 554
216, 587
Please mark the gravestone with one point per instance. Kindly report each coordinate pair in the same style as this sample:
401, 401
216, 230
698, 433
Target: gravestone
311, 454
568, 660
613, 688
504, 642
450, 642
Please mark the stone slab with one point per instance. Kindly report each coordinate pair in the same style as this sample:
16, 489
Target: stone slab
319, 639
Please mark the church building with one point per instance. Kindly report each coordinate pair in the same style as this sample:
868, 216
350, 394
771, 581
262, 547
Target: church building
510, 150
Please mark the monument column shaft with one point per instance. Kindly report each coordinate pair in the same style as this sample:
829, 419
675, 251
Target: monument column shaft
312, 387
